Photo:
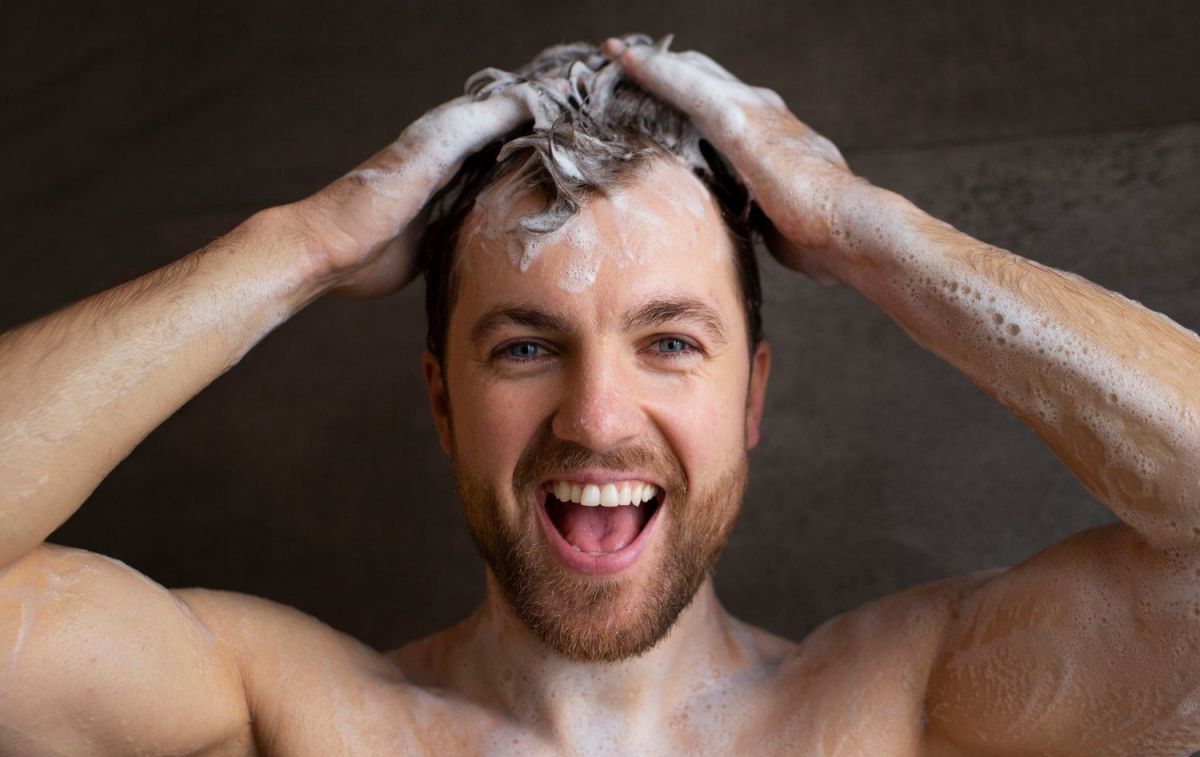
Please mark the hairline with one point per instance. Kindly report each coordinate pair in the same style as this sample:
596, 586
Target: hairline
634, 170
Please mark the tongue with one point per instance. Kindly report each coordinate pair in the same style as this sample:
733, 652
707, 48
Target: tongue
600, 529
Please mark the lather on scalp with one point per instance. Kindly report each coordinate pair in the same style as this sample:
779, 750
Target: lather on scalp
592, 128
589, 123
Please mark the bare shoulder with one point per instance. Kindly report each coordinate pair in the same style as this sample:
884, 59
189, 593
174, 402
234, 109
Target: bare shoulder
314, 690
858, 681
306, 683
906, 625
1087, 647
98, 659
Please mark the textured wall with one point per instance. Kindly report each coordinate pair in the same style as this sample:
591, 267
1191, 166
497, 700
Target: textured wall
1067, 132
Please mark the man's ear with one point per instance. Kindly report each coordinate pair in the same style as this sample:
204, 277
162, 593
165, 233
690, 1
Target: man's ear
439, 399
760, 369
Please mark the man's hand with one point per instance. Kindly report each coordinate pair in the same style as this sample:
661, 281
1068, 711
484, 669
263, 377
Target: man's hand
794, 173
361, 230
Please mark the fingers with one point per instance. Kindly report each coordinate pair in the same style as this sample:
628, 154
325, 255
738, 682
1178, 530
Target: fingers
395, 183
695, 84
451, 132
700, 60
363, 221
429, 151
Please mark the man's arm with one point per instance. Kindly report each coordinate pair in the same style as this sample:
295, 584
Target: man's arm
95, 658
86, 384
1089, 647
82, 386
1112, 387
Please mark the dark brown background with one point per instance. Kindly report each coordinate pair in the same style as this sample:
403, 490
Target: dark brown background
1067, 132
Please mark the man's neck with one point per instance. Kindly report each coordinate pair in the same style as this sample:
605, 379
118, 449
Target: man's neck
499, 660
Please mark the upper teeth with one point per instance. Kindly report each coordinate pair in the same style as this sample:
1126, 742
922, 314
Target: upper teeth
608, 495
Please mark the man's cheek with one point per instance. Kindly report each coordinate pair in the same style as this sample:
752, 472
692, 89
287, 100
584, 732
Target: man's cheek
491, 432
700, 428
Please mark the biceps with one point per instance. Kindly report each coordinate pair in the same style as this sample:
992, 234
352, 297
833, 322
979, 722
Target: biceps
94, 656
1087, 648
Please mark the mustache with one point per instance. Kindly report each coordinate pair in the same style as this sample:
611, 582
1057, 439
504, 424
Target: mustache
555, 457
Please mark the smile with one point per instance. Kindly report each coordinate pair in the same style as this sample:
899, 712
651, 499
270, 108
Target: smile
599, 527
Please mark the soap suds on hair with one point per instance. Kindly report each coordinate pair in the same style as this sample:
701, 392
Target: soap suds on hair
639, 221
591, 126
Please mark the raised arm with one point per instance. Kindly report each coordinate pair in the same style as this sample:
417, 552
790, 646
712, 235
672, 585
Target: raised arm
83, 386
95, 658
1089, 647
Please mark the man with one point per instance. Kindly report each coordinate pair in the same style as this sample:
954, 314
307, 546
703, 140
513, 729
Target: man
597, 376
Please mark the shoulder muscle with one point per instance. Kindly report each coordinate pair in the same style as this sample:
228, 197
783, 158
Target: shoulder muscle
95, 658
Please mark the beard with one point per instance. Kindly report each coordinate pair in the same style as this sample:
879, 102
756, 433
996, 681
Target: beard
591, 618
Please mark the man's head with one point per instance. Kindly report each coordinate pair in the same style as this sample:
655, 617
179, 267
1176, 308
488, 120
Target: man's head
593, 315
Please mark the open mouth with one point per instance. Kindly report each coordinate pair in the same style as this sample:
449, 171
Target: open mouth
600, 519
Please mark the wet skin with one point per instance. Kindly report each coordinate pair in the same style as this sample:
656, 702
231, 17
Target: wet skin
1087, 648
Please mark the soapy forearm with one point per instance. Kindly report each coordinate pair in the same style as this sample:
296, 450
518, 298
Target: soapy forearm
83, 386
1112, 387
80, 388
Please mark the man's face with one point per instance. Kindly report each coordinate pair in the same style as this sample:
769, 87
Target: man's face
617, 356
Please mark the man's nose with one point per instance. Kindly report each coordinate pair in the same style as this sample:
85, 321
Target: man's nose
599, 407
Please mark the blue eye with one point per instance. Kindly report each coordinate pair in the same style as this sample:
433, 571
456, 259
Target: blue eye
673, 346
522, 350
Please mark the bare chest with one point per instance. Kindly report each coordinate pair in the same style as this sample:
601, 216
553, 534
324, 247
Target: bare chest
824, 710
854, 686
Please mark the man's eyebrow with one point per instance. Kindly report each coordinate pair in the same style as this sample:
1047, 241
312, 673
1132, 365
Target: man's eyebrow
518, 315
666, 310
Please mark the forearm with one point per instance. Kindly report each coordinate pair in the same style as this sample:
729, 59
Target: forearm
1112, 387
83, 386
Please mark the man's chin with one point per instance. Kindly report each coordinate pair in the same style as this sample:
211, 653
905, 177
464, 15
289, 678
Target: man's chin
589, 621
604, 618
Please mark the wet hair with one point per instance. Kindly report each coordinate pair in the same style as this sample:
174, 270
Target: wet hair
592, 131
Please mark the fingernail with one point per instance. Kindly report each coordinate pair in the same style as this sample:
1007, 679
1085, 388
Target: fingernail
613, 47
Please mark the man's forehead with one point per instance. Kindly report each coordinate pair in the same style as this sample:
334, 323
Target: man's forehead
662, 230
